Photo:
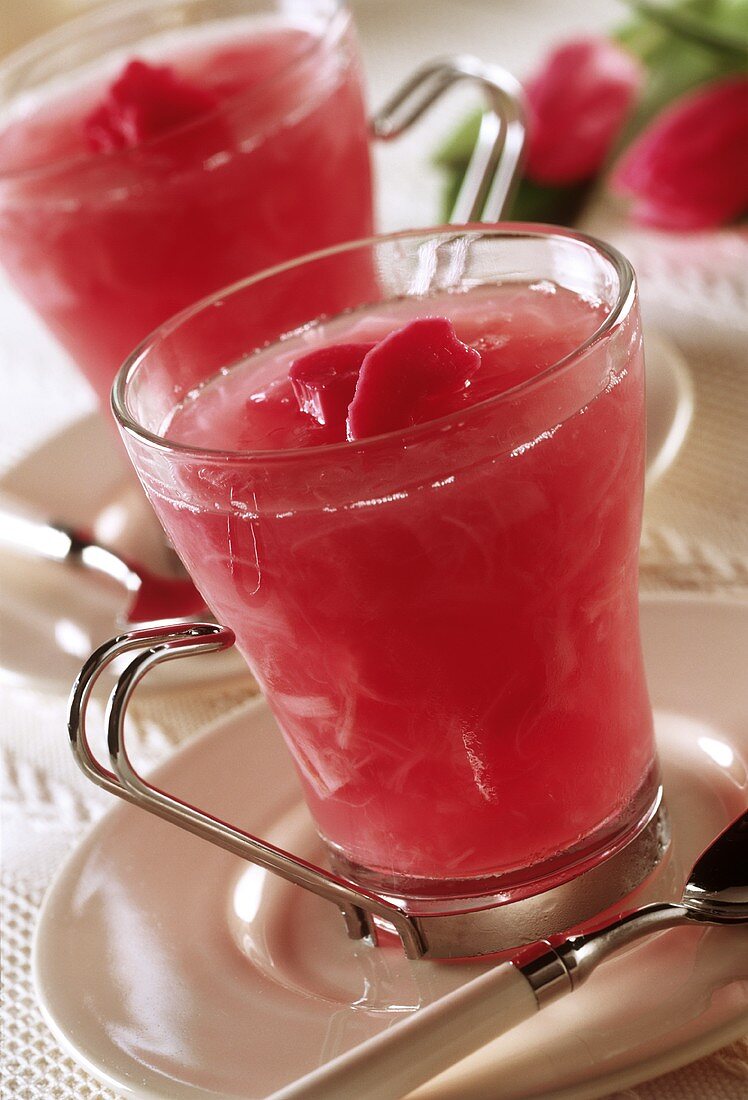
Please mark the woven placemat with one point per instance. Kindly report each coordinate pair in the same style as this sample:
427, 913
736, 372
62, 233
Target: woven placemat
694, 289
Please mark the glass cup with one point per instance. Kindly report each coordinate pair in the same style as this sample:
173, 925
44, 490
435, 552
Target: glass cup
443, 618
106, 242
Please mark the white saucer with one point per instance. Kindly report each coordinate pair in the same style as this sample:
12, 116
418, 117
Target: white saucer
670, 403
172, 970
51, 618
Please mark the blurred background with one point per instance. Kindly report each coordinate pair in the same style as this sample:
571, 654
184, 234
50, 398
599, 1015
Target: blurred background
419, 21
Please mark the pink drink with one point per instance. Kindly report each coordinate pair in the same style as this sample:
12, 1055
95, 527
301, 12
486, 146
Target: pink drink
107, 243
444, 620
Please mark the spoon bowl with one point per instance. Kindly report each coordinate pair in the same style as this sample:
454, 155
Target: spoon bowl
147, 595
717, 889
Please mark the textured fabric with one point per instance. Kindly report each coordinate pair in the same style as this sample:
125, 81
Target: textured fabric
722, 1076
45, 807
694, 289
695, 538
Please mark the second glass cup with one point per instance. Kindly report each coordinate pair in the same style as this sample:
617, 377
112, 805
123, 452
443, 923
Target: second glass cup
443, 616
150, 154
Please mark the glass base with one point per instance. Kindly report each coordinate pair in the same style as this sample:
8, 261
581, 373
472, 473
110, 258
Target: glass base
469, 918
508, 886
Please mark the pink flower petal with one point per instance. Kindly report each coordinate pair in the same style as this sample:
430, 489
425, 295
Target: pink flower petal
689, 169
578, 104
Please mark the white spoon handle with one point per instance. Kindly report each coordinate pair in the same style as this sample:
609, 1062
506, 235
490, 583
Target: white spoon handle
390, 1065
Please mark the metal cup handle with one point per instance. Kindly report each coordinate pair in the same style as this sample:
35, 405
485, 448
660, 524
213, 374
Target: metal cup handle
167, 642
494, 168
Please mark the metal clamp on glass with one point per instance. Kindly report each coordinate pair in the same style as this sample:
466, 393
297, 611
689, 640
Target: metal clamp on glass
157, 645
461, 929
494, 166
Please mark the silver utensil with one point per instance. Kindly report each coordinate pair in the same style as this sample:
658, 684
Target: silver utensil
149, 596
495, 165
410, 1053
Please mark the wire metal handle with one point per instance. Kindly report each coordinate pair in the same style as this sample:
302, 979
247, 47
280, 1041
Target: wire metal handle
155, 645
493, 171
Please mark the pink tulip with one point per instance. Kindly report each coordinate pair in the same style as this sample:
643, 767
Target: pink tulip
578, 104
689, 169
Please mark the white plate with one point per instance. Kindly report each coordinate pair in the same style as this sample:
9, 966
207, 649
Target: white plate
51, 618
670, 403
171, 970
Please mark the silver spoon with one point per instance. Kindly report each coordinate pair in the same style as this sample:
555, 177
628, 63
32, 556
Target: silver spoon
148, 596
390, 1065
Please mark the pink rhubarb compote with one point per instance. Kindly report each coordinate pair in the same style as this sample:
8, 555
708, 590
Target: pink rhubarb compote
129, 193
434, 584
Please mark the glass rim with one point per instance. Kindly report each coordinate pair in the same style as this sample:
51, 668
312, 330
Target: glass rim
59, 37
518, 230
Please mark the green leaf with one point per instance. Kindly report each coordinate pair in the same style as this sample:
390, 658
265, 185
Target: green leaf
533, 202
455, 150
682, 46
720, 25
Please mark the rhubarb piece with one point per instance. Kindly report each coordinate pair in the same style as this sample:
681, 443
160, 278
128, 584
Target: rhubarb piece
324, 381
143, 103
417, 373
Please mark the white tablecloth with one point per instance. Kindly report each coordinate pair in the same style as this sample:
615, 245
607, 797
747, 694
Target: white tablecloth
696, 527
